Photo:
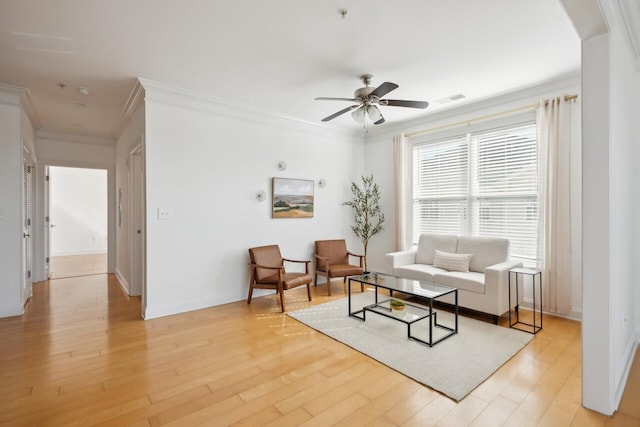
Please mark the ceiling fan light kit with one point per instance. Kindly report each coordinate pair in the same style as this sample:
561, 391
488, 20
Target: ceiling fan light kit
367, 98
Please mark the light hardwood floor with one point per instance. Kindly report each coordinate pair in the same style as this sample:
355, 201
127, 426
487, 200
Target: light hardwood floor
82, 356
78, 265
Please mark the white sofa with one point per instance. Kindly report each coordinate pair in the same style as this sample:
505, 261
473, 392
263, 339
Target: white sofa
484, 287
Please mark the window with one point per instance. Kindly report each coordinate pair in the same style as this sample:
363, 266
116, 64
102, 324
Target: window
482, 183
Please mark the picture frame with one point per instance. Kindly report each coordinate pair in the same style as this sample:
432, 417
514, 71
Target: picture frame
292, 198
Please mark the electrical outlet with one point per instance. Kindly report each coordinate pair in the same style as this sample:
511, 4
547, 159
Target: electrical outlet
164, 213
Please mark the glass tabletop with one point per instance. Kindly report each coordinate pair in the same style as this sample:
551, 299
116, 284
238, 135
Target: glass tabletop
408, 286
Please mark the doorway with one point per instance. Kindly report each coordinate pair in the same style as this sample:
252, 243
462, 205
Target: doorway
78, 221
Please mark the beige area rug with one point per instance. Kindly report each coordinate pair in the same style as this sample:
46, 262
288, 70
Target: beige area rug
454, 367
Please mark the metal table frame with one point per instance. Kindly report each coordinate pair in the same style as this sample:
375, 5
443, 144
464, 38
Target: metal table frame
378, 308
532, 328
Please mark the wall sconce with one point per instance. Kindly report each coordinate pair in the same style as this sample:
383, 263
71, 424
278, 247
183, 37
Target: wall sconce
261, 195
282, 165
322, 183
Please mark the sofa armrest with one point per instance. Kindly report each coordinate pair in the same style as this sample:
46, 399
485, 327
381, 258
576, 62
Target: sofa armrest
397, 259
496, 282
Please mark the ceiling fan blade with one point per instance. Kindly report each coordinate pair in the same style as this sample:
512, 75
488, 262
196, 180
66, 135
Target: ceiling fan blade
404, 103
326, 98
383, 89
339, 113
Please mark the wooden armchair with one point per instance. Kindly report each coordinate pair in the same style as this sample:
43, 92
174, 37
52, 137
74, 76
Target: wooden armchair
332, 260
268, 272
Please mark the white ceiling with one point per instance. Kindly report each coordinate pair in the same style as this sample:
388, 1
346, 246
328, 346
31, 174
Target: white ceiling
277, 55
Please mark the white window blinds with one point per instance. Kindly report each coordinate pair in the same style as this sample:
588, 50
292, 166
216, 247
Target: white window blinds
441, 177
482, 183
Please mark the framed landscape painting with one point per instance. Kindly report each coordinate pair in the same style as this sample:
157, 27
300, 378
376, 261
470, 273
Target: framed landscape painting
292, 198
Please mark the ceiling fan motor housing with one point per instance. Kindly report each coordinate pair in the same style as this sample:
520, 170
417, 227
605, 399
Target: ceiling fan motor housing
362, 94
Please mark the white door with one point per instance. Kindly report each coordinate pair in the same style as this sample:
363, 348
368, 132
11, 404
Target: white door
27, 167
47, 225
137, 223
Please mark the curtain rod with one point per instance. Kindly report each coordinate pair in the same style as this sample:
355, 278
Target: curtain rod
486, 117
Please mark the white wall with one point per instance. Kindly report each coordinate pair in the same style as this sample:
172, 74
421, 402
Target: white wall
379, 161
611, 87
205, 162
78, 206
10, 208
131, 136
624, 131
597, 391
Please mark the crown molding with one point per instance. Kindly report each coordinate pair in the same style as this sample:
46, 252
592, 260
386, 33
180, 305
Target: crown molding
167, 94
49, 134
512, 99
136, 97
628, 13
20, 97
11, 95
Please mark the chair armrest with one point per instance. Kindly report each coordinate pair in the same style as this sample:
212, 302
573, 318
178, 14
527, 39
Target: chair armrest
397, 259
295, 260
361, 257
503, 266
496, 282
321, 258
305, 262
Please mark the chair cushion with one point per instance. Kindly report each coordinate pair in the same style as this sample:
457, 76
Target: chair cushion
341, 270
471, 281
335, 250
428, 244
292, 280
487, 251
452, 262
421, 272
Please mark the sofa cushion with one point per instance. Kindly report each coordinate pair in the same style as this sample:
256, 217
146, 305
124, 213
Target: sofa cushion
428, 244
421, 272
471, 281
452, 262
486, 251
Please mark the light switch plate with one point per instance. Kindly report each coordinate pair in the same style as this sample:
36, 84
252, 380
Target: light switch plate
165, 213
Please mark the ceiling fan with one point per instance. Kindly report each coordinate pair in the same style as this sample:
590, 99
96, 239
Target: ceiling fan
366, 99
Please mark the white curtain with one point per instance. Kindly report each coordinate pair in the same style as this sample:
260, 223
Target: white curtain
554, 136
403, 191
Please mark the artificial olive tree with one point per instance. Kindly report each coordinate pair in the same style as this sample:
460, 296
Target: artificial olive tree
366, 211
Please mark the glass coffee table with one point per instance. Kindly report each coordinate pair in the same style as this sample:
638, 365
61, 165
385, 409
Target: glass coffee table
414, 312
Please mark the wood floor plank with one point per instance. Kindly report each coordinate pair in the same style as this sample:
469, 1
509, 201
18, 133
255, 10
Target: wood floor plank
81, 355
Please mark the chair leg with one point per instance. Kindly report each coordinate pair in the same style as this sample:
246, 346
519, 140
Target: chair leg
282, 300
328, 285
250, 293
309, 291
315, 280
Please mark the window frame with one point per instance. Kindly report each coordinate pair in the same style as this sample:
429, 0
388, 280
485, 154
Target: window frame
472, 199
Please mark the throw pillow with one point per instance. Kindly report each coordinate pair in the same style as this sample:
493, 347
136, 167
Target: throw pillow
452, 262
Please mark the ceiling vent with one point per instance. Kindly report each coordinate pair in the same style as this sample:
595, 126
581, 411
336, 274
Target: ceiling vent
451, 98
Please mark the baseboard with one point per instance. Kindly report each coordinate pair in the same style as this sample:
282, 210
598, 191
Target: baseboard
161, 310
123, 282
10, 310
574, 314
88, 252
629, 356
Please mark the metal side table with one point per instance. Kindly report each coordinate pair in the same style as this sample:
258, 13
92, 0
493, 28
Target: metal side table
514, 275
